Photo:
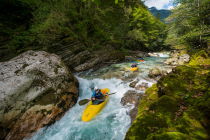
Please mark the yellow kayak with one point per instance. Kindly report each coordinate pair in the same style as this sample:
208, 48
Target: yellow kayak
92, 110
134, 69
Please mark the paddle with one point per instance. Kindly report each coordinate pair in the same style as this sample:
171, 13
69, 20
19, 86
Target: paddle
85, 101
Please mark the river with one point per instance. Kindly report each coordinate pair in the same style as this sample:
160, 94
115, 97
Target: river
113, 121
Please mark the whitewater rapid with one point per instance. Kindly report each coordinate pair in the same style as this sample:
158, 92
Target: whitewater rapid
113, 121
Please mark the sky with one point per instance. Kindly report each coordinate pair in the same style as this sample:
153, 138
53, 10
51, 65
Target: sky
159, 4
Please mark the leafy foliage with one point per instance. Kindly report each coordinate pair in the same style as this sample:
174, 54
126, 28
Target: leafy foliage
95, 24
189, 24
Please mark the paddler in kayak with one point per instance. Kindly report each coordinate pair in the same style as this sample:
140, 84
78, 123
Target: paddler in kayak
133, 65
140, 59
97, 96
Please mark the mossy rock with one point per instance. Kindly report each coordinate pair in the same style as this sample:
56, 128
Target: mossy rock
191, 126
169, 136
165, 104
177, 107
143, 127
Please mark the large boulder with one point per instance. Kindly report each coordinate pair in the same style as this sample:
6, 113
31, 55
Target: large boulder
36, 88
156, 73
131, 97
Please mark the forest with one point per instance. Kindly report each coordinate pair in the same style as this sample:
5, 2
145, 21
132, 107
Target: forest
104, 70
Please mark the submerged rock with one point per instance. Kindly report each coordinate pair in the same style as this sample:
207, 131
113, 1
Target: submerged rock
131, 97
133, 84
36, 88
156, 73
142, 87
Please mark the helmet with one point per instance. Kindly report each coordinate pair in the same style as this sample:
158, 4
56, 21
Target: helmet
96, 88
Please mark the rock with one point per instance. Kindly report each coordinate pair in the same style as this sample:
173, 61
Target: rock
141, 54
133, 84
171, 61
183, 59
131, 97
155, 72
130, 58
142, 87
130, 76
87, 65
78, 59
99, 59
134, 55
109, 75
36, 88
153, 54
177, 59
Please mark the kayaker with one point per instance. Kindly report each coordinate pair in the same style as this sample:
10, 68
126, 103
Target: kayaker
133, 65
97, 96
141, 59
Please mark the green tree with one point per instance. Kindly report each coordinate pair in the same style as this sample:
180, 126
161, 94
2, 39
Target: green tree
189, 23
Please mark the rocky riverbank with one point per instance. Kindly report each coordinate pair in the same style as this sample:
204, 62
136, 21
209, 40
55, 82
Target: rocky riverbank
36, 88
177, 107
80, 60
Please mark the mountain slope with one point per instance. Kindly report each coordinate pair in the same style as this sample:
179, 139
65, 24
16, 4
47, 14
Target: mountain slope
161, 14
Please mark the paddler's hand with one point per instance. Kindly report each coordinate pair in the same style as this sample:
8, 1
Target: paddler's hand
93, 99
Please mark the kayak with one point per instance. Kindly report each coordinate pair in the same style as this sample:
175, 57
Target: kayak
140, 60
92, 110
134, 69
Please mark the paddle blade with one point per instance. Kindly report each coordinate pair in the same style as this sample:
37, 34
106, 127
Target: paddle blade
84, 101
112, 93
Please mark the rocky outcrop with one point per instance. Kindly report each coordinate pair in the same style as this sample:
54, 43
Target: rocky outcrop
36, 88
177, 58
88, 64
131, 97
142, 87
134, 55
156, 73
79, 59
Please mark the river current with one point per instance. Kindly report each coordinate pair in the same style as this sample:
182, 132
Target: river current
113, 121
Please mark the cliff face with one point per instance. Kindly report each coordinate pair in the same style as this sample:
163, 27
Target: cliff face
36, 88
177, 107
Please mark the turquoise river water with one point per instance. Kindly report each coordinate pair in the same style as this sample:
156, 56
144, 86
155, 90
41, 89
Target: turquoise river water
113, 121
